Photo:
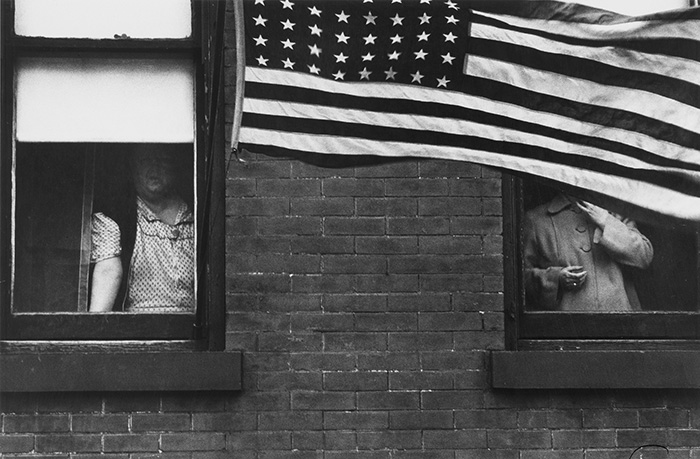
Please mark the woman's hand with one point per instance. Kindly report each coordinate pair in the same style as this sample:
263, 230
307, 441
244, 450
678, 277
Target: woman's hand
572, 277
597, 214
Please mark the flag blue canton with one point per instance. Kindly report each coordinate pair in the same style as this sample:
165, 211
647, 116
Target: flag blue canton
418, 42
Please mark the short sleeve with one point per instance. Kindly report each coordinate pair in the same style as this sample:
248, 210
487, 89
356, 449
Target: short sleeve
106, 238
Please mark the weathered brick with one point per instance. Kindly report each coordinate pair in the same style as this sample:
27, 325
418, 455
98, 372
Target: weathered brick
354, 226
395, 361
478, 302
439, 301
355, 420
328, 361
131, 443
353, 264
353, 187
405, 167
389, 207
477, 225
16, 443
246, 207
322, 244
420, 380
476, 340
291, 420
60, 443
418, 226
355, 381
560, 454
340, 342
293, 226
36, 423
290, 342
450, 245
455, 399
160, 422
421, 420
291, 187
664, 418
498, 438
562, 439
392, 321
602, 419
355, 302
233, 422
477, 187
339, 440
485, 419
386, 245
100, 423
416, 187
451, 282
420, 341
447, 321
637, 437
193, 441
322, 206
304, 400
308, 440
327, 283
386, 283
449, 206
257, 169
390, 439
446, 361
383, 400
454, 439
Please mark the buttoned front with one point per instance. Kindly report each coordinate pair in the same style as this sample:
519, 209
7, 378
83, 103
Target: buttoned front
559, 234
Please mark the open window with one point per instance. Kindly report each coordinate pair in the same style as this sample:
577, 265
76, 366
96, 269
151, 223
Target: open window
85, 86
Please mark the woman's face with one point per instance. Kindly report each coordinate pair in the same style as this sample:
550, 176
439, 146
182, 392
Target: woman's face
153, 173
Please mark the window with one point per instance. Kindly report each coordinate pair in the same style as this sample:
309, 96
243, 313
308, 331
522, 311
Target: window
87, 87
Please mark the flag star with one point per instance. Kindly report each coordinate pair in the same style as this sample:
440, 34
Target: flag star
425, 1
449, 37
287, 25
364, 74
396, 39
315, 50
260, 21
423, 36
342, 17
390, 74
260, 2
288, 64
342, 38
420, 54
442, 82
416, 77
315, 30
287, 4
369, 39
314, 11
394, 56
341, 58
262, 61
451, 4
397, 20
447, 58
339, 75
425, 19
313, 69
370, 18
367, 1
452, 19
260, 41
395, 1
287, 44
368, 57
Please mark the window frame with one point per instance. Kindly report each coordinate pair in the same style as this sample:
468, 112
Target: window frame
206, 328
538, 330
555, 350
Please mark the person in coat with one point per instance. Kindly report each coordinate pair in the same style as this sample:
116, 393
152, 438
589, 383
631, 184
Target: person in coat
577, 255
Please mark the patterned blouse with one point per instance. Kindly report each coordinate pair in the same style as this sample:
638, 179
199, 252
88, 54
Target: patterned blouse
161, 274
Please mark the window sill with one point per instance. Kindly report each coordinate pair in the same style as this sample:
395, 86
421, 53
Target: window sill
633, 369
120, 371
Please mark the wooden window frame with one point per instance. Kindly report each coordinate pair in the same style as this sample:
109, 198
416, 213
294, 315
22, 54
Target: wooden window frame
120, 348
557, 350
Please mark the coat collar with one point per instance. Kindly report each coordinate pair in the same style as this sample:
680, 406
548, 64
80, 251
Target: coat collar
559, 203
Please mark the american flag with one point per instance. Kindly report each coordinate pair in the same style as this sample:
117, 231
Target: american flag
587, 98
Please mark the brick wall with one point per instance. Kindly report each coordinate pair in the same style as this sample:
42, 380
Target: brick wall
366, 299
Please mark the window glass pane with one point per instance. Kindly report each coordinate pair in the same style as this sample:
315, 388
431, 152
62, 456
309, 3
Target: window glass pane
603, 262
103, 18
105, 100
108, 225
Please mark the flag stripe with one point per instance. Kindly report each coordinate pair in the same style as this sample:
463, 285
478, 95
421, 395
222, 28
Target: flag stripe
466, 122
291, 87
636, 192
580, 90
682, 181
607, 27
682, 69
